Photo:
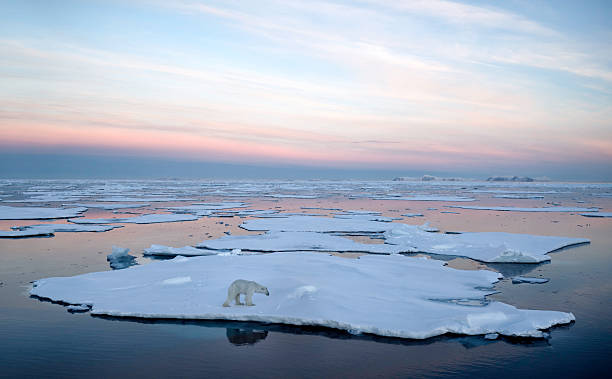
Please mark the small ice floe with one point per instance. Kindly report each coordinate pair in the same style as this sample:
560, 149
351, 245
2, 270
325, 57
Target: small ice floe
128, 199
386, 295
516, 209
413, 215
519, 196
525, 279
144, 219
50, 229
186, 251
38, 213
597, 214
78, 308
120, 258
491, 336
295, 241
428, 198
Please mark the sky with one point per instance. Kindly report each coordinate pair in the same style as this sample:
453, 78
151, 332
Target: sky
364, 88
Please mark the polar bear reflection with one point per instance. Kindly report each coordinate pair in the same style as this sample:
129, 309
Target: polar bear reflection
246, 287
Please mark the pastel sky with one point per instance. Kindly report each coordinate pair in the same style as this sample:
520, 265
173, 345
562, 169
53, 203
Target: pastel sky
499, 87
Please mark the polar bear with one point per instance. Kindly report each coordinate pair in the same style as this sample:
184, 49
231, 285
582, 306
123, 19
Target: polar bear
246, 287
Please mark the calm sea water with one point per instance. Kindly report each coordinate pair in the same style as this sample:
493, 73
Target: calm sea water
42, 339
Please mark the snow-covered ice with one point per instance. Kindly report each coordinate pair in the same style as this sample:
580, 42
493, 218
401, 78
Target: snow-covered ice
525, 279
296, 241
498, 247
518, 209
50, 229
295, 223
120, 258
188, 251
38, 213
391, 295
143, 219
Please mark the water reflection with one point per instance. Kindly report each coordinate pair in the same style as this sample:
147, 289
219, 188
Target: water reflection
241, 337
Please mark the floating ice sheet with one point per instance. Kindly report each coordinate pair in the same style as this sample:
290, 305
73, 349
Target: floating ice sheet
427, 198
188, 251
38, 213
525, 279
296, 241
597, 214
144, 219
391, 296
50, 229
516, 209
496, 247
110, 207
296, 223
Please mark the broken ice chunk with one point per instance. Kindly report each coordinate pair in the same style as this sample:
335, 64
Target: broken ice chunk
120, 258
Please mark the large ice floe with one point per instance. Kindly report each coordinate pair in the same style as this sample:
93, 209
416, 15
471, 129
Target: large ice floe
496, 247
393, 295
51, 229
296, 241
597, 214
168, 251
38, 213
142, 219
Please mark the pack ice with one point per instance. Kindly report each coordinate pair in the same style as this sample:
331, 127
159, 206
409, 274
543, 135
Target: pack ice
386, 295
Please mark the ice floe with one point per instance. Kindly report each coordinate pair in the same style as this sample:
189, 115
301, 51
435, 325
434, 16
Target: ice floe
110, 207
597, 214
187, 251
296, 241
144, 219
391, 295
50, 229
517, 209
496, 247
525, 279
120, 258
300, 223
428, 198
38, 213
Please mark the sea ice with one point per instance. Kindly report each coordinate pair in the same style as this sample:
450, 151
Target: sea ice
317, 224
143, 219
515, 209
296, 241
427, 198
391, 295
50, 229
120, 258
597, 214
110, 207
496, 247
525, 279
187, 251
38, 213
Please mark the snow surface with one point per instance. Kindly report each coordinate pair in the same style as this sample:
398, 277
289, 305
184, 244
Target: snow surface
391, 295
188, 251
515, 209
525, 279
296, 241
38, 213
50, 229
496, 247
143, 219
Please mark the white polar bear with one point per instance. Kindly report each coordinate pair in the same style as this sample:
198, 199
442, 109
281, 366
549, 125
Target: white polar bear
246, 287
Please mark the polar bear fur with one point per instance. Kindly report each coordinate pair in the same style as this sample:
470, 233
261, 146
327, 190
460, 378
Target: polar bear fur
246, 287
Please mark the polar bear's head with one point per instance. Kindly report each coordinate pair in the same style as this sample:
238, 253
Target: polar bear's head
261, 289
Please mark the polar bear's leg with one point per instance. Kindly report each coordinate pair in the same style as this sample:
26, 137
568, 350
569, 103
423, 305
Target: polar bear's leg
238, 299
230, 295
249, 297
